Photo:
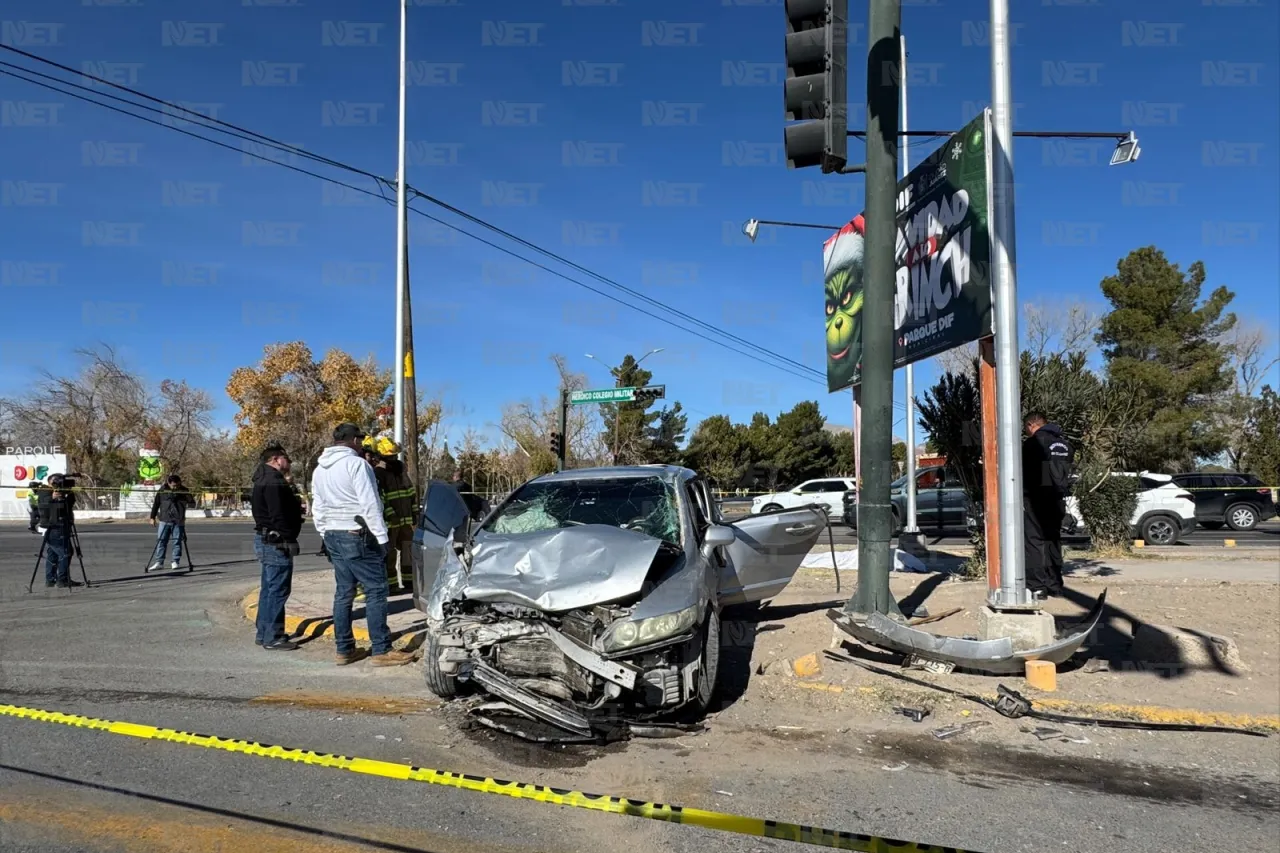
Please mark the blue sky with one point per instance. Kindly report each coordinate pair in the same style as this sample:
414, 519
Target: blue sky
661, 164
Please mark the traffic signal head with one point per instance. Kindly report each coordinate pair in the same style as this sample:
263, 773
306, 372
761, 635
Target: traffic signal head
816, 87
556, 444
650, 392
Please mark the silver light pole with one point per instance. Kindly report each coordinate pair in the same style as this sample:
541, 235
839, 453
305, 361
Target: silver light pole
1013, 581
401, 238
911, 385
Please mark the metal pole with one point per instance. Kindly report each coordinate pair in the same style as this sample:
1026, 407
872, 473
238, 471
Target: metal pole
911, 383
401, 219
1004, 287
876, 391
564, 430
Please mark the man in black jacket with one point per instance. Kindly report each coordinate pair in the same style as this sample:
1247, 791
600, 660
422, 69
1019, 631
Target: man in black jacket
1046, 483
277, 521
169, 511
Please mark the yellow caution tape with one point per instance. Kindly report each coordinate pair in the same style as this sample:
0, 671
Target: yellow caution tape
519, 790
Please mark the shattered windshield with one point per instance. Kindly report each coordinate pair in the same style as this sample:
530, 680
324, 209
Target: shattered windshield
644, 504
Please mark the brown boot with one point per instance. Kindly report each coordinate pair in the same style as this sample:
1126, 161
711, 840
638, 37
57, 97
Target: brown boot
393, 658
346, 658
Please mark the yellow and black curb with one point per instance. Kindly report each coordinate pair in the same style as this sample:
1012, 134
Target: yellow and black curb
719, 821
310, 627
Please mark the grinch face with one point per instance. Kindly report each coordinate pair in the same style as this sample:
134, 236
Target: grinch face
844, 322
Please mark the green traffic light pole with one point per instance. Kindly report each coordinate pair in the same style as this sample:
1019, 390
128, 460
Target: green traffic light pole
876, 391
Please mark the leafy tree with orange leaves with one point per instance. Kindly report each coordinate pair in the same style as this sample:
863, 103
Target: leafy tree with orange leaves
292, 398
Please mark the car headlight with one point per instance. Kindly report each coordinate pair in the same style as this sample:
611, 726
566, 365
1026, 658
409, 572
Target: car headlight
628, 633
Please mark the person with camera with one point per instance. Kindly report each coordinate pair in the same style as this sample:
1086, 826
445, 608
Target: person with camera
348, 513
57, 517
169, 511
277, 521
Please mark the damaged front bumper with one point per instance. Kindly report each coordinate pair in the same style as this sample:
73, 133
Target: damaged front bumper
551, 681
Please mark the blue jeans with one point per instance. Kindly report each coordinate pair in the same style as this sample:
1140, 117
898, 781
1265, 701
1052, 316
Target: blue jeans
359, 558
168, 531
273, 591
57, 556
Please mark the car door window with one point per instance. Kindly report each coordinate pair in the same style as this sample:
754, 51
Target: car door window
444, 510
928, 480
812, 487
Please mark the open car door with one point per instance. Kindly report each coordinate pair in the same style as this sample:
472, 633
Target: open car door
442, 511
767, 551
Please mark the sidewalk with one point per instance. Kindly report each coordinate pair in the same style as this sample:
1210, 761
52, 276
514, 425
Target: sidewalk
309, 613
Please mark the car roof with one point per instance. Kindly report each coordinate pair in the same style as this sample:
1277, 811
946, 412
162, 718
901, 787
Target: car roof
615, 472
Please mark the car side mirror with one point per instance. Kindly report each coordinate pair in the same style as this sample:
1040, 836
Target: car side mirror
718, 536
795, 491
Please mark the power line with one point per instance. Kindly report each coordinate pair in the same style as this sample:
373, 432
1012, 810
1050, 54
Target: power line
207, 122
250, 135
428, 216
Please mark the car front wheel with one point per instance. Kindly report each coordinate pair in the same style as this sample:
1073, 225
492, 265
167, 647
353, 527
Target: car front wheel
771, 507
708, 664
444, 686
1160, 530
1242, 517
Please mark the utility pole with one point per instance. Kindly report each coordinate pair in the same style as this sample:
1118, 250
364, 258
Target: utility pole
1012, 593
402, 217
876, 391
909, 539
410, 446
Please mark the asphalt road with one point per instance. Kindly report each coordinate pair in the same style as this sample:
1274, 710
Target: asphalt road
172, 650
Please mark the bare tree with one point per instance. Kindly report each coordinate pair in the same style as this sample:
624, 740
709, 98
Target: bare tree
181, 421
1059, 327
1251, 350
959, 361
98, 416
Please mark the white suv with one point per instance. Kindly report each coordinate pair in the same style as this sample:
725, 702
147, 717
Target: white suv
828, 493
1165, 512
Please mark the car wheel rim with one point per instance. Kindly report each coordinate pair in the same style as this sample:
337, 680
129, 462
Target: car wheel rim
1162, 532
1242, 518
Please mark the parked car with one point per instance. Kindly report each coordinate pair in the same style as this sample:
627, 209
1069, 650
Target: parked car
941, 502
1165, 512
593, 596
829, 492
1237, 500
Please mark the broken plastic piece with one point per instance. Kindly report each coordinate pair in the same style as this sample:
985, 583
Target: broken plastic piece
948, 732
1011, 703
914, 714
1042, 733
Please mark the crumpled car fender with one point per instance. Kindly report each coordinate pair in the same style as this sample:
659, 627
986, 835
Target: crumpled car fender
686, 583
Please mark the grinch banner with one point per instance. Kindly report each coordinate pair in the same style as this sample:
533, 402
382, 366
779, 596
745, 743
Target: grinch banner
942, 291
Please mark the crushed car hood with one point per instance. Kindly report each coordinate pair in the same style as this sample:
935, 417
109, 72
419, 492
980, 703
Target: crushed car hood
560, 570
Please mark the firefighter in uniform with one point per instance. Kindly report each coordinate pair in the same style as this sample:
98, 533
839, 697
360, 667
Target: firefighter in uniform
1046, 483
399, 505
33, 505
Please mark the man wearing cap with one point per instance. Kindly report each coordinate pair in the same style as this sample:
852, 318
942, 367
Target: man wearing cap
348, 514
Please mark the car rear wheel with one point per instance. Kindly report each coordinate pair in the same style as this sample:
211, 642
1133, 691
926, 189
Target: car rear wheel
1160, 530
1242, 517
708, 664
1211, 525
444, 686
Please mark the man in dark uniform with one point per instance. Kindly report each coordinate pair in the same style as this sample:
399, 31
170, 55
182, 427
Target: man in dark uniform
1046, 483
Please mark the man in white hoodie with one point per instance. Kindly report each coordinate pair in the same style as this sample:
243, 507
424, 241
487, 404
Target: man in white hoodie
348, 514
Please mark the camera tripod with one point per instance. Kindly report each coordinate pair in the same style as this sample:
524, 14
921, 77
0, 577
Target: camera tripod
73, 542
181, 545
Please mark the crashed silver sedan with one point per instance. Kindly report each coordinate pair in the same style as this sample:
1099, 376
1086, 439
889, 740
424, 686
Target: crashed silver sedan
593, 596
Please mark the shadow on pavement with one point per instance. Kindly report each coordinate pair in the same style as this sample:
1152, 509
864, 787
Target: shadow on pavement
227, 813
168, 575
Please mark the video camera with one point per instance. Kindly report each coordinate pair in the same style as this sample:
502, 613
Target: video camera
62, 482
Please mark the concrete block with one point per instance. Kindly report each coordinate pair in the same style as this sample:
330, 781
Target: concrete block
1028, 629
913, 544
1162, 646
1042, 675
